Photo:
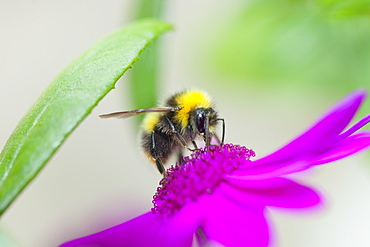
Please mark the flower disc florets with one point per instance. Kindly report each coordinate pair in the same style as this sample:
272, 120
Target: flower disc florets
199, 173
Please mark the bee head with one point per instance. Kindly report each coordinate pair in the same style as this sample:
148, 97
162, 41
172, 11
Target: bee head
202, 120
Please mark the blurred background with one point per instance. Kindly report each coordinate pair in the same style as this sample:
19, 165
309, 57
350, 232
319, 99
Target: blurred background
272, 68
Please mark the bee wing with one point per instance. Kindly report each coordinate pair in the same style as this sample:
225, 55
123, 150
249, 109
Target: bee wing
125, 114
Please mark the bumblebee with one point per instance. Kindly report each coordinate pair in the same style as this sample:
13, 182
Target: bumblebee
169, 129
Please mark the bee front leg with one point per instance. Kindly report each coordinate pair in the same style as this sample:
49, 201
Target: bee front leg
223, 130
179, 138
154, 154
195, 145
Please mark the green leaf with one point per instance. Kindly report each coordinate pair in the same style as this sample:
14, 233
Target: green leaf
144, 78
67, 101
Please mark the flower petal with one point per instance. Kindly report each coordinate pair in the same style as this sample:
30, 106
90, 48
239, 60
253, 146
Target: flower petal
344, 148
319, 137
129, 233
246, 172
364, 121
231, 224
348, 146
276, 192
147, 230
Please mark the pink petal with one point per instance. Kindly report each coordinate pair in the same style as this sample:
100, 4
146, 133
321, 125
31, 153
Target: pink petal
364, 121
319, 137
276, 192
344, 148
129, 233
147, 230
348, 146
231, 224
287, 167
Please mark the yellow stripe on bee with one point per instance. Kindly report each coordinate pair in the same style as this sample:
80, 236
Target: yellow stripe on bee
188, 101
150, 121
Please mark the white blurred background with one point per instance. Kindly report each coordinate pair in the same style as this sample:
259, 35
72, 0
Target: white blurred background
99, 177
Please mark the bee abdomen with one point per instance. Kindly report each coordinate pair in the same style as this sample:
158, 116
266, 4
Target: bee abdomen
157, 145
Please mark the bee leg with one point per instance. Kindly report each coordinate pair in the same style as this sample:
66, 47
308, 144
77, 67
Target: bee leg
153, 153
179, 157
207, 136
195, 145
179, 138
218, 140
160, 167
223, 130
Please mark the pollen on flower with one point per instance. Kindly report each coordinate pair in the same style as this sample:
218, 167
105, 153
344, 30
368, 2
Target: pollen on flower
198, 174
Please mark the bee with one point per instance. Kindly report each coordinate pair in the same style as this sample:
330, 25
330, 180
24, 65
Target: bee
171, 128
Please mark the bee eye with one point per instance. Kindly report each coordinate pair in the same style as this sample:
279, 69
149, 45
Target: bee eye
200, 122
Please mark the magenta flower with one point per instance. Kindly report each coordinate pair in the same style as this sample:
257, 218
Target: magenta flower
221, 195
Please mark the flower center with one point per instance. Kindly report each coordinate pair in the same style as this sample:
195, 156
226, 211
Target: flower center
199, 173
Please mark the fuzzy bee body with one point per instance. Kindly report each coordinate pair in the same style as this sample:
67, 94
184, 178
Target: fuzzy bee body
169, 129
